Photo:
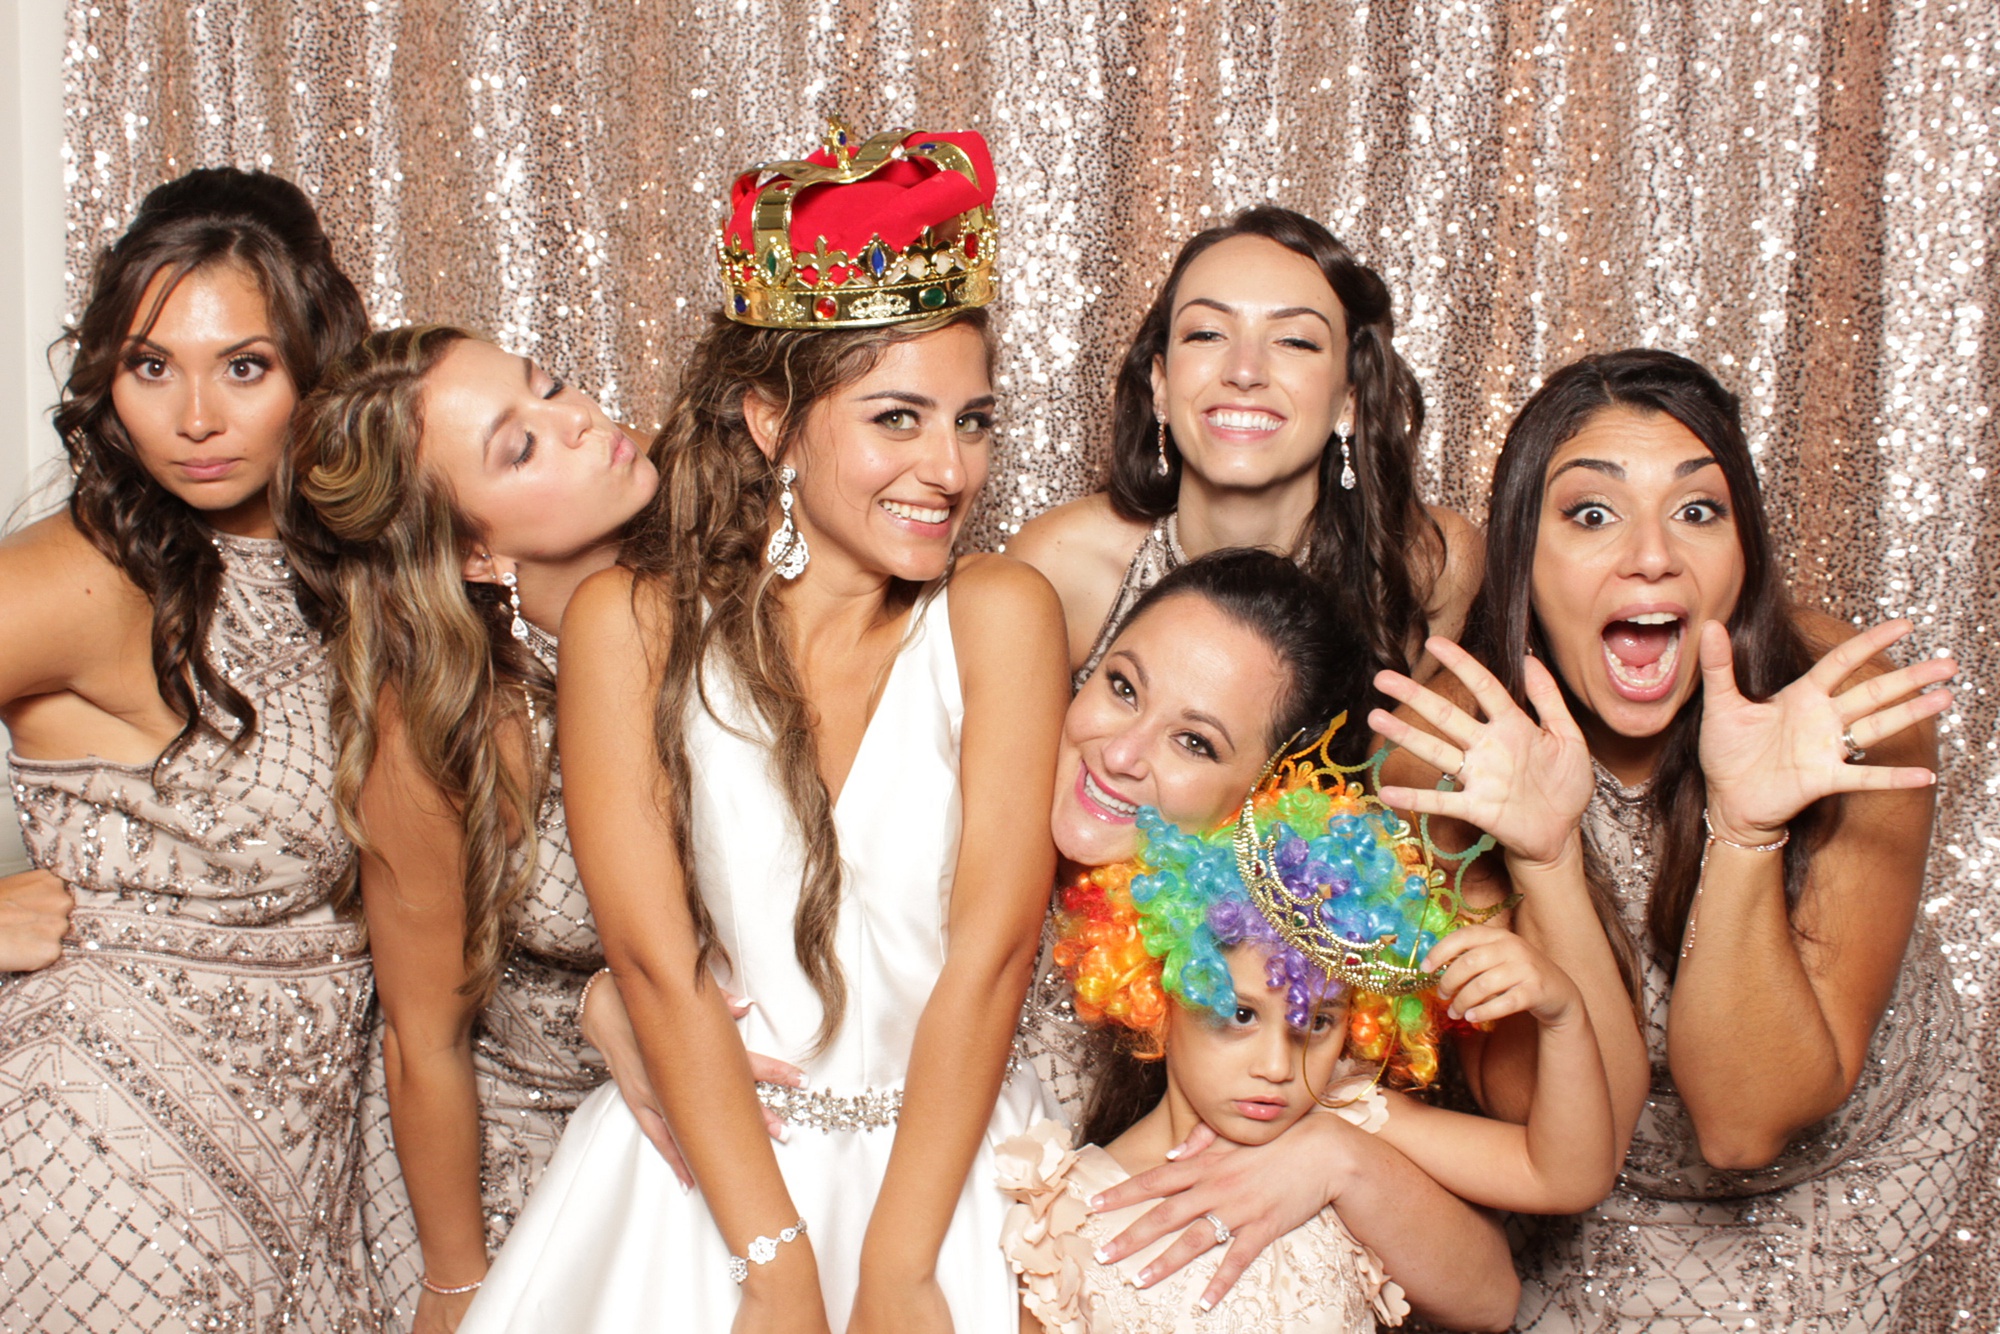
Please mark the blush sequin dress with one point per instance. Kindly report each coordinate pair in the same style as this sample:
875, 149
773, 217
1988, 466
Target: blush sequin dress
1825, 1238
178, 1092
529, 1058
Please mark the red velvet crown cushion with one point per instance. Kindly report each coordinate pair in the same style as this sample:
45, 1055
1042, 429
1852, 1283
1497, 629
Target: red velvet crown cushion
896, 203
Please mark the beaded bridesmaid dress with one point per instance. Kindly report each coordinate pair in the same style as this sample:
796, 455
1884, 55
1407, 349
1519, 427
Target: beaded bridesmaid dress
609, 1242
529, 1058
178, 1091
1826, 1237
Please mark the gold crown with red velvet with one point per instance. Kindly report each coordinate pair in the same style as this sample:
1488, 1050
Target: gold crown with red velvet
861, 233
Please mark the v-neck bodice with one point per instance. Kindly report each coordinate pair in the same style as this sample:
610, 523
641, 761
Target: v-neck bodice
898, 822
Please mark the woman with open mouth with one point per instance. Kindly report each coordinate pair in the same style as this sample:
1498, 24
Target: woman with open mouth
1262, 403
1756, 781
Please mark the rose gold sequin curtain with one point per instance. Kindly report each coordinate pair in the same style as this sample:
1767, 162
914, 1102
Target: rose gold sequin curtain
1800, 195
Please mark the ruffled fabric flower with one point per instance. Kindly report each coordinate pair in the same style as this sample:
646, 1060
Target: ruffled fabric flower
1042, 1236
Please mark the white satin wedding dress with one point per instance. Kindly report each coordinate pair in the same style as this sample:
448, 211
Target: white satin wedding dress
609, 1242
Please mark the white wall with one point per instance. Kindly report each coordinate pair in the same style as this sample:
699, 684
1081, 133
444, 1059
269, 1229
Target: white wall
31, 266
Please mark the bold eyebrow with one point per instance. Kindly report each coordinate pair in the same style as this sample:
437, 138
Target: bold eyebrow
494, 428
898, 396
1612, 470
1685, 468
1287, 313
1138, 668
1196, 715
142, 341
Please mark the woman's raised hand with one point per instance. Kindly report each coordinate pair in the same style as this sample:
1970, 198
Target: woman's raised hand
1765, 762
1524, 782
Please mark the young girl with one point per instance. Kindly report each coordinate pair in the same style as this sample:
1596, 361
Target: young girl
1239, 964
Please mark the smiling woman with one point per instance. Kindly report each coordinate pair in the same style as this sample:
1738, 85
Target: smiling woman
1262, 403
190, 1055
808, 757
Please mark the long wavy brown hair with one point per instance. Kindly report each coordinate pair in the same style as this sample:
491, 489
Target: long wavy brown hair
1376, 549
1502, 628
264, 225
380, 546
699, 554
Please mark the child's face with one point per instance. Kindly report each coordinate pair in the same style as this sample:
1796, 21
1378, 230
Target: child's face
1244, 1075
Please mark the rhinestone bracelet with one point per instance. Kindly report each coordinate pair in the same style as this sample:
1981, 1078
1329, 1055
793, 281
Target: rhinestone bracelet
763, 1250
428, 1286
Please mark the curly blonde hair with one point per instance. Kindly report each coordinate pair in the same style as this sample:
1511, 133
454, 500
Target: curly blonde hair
379, 544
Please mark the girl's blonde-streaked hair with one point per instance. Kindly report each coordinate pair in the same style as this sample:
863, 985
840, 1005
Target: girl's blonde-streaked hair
380, 545
698, 553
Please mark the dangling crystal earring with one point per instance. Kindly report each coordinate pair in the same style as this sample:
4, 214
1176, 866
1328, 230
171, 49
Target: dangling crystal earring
520, 627
1160, 465
1346, 439
787, 548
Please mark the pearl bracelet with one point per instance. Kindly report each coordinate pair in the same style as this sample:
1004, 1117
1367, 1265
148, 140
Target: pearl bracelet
763, 1250
429, 1286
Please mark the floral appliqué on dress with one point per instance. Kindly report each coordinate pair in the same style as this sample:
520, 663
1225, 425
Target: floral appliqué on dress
1316, 1279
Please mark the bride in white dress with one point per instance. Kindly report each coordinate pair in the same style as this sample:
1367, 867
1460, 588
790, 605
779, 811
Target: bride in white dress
822, 783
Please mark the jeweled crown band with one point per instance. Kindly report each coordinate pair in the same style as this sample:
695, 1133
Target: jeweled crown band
783, 273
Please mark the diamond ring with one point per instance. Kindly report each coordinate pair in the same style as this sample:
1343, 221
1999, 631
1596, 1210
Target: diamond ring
1222, 1232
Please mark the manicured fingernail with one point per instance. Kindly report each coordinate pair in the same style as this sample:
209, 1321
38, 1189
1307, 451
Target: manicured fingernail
1101, 1255
1145, 1278
1097, 1201
784, 1133
687, 1187
1206, 1305
1173, 1153
805, 1081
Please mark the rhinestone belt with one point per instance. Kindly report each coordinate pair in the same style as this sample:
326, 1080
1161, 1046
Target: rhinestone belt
821, 1109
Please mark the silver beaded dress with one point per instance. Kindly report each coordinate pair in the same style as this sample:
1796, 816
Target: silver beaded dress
178, 1091
530, 1060
1823, 1239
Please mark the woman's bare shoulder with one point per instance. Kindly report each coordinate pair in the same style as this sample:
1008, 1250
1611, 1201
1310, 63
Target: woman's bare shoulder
53, 579
1085, 534
1004, 605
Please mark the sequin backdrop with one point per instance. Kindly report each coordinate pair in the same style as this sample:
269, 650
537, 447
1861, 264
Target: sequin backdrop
1800, 195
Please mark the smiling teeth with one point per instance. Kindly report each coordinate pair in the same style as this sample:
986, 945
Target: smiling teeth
1105, 799
1245, 421
915, 512
1653, 618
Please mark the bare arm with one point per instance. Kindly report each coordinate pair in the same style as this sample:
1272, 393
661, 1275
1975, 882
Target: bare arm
625, 850
1008, 630
1526, 781
413, 895
1563, 1160
1813, 982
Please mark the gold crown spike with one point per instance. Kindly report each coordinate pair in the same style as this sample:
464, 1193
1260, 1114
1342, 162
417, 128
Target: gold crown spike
1379, 967
949, 266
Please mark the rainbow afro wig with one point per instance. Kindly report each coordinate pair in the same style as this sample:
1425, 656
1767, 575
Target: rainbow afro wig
1134, 934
